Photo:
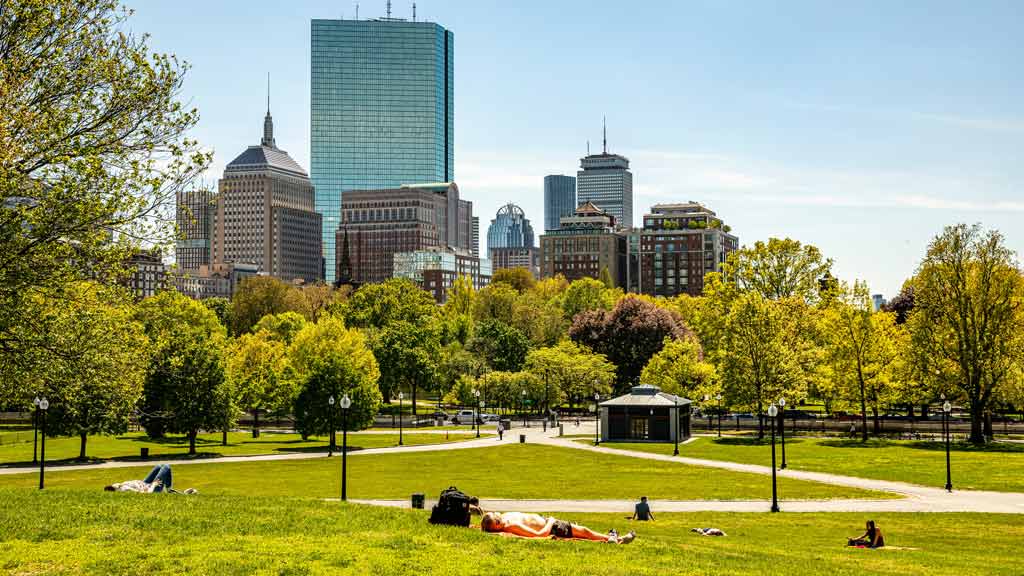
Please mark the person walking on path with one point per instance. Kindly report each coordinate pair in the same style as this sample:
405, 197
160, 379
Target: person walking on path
501, 431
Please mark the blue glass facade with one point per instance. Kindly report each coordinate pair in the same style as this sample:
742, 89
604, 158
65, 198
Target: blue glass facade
381, 111
510, 229
559, 199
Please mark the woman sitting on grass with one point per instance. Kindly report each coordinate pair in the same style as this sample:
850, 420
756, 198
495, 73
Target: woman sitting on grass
872, 537
537, 526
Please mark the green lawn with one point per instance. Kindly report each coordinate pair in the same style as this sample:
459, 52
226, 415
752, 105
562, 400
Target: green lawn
207, 445
510, 471
62, 532
998, 466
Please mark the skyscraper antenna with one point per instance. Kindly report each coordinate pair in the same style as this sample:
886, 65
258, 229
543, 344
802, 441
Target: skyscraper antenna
389, 9
413, 11
604, 132
268, 92
588, 147
357, 10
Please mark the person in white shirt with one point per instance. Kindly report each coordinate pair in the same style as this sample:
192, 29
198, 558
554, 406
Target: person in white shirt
159, 479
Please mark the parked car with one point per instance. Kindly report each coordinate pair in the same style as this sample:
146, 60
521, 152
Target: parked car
463, 417
845, 416
484, 418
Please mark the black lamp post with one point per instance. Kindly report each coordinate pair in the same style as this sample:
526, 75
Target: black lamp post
482, 406
773, 411
547, 404
946, 408
400, 397
782, 430
44, 405
719, 398
476, 412
35, 430
597, 418
330, 419
346, 403
675, 401
522, 406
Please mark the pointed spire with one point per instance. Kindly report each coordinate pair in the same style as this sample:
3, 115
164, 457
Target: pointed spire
604, 132
268, 122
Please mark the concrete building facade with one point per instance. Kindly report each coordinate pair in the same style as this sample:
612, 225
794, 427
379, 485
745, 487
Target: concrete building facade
584, 244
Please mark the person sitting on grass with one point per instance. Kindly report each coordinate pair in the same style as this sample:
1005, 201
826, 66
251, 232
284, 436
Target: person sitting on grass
872, 537
642, 511
158, 480
537, 526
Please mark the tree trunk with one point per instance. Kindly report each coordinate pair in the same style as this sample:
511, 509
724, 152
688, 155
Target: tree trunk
863, 411
413, 399
877, 423
224, 437
910, 412
81, 450
760, 425
255, 421
988, 425
192, 442
977, 432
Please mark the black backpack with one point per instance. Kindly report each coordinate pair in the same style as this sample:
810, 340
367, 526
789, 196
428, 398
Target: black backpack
452, 508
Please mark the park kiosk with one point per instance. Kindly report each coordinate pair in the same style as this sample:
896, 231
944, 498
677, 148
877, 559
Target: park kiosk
646, 414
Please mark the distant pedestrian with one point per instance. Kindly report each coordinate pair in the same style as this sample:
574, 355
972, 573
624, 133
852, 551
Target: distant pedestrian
853, 429
642, 511
501, 431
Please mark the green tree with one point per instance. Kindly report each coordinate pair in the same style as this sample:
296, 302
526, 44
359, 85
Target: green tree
628, 335
587, 294
258, 296
93, 150
221, 307
496, 302
261, 380
780, 268
457, 312
967, 322
759, 363
377, 305
679, 368
576, 371
539, 318
519, 278
331, 360
503, 347
863, 348
95, 380
281, 327
606, 278
185, 389
407, 355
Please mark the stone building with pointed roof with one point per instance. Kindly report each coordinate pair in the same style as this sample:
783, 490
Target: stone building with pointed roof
584, 246
265, 214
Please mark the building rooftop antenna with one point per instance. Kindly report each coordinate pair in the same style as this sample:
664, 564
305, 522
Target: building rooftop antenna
389, 9
268, 92
588, 147
413, 11
604, 132
357, 10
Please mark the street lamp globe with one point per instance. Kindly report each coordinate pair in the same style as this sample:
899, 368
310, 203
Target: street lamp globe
44, 404
35, 401
946, 407
718, 397
346, 402
942, 396
331, 400
476, 393
773, 411
782, 402
401, 395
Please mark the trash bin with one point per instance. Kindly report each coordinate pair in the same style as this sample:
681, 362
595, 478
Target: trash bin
417, 500
255, 432
144, 453
522, 438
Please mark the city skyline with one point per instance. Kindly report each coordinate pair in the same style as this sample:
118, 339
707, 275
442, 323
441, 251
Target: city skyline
824, 124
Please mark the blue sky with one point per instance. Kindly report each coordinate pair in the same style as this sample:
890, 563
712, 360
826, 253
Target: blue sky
860, 127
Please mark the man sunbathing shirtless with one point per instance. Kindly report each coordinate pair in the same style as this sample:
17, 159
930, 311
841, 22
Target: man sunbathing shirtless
537, 526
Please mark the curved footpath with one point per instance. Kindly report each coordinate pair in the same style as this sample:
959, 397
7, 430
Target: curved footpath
914, 498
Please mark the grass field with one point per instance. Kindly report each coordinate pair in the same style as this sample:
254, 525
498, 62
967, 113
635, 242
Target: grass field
127, 446
511, 471
63, 532
998, 467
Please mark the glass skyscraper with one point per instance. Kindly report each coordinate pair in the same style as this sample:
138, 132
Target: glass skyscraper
510, 229
606, 181
559, 199
381, 111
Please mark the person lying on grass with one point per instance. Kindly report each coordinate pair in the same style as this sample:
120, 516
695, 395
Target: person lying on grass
872, 537
159, 479
537, 526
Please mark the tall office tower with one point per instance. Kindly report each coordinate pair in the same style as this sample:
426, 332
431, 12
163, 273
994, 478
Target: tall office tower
559, 199
381, 223
605, 181
195, 227
381, 110
510, 240
679, 244
265, 214
474, 246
